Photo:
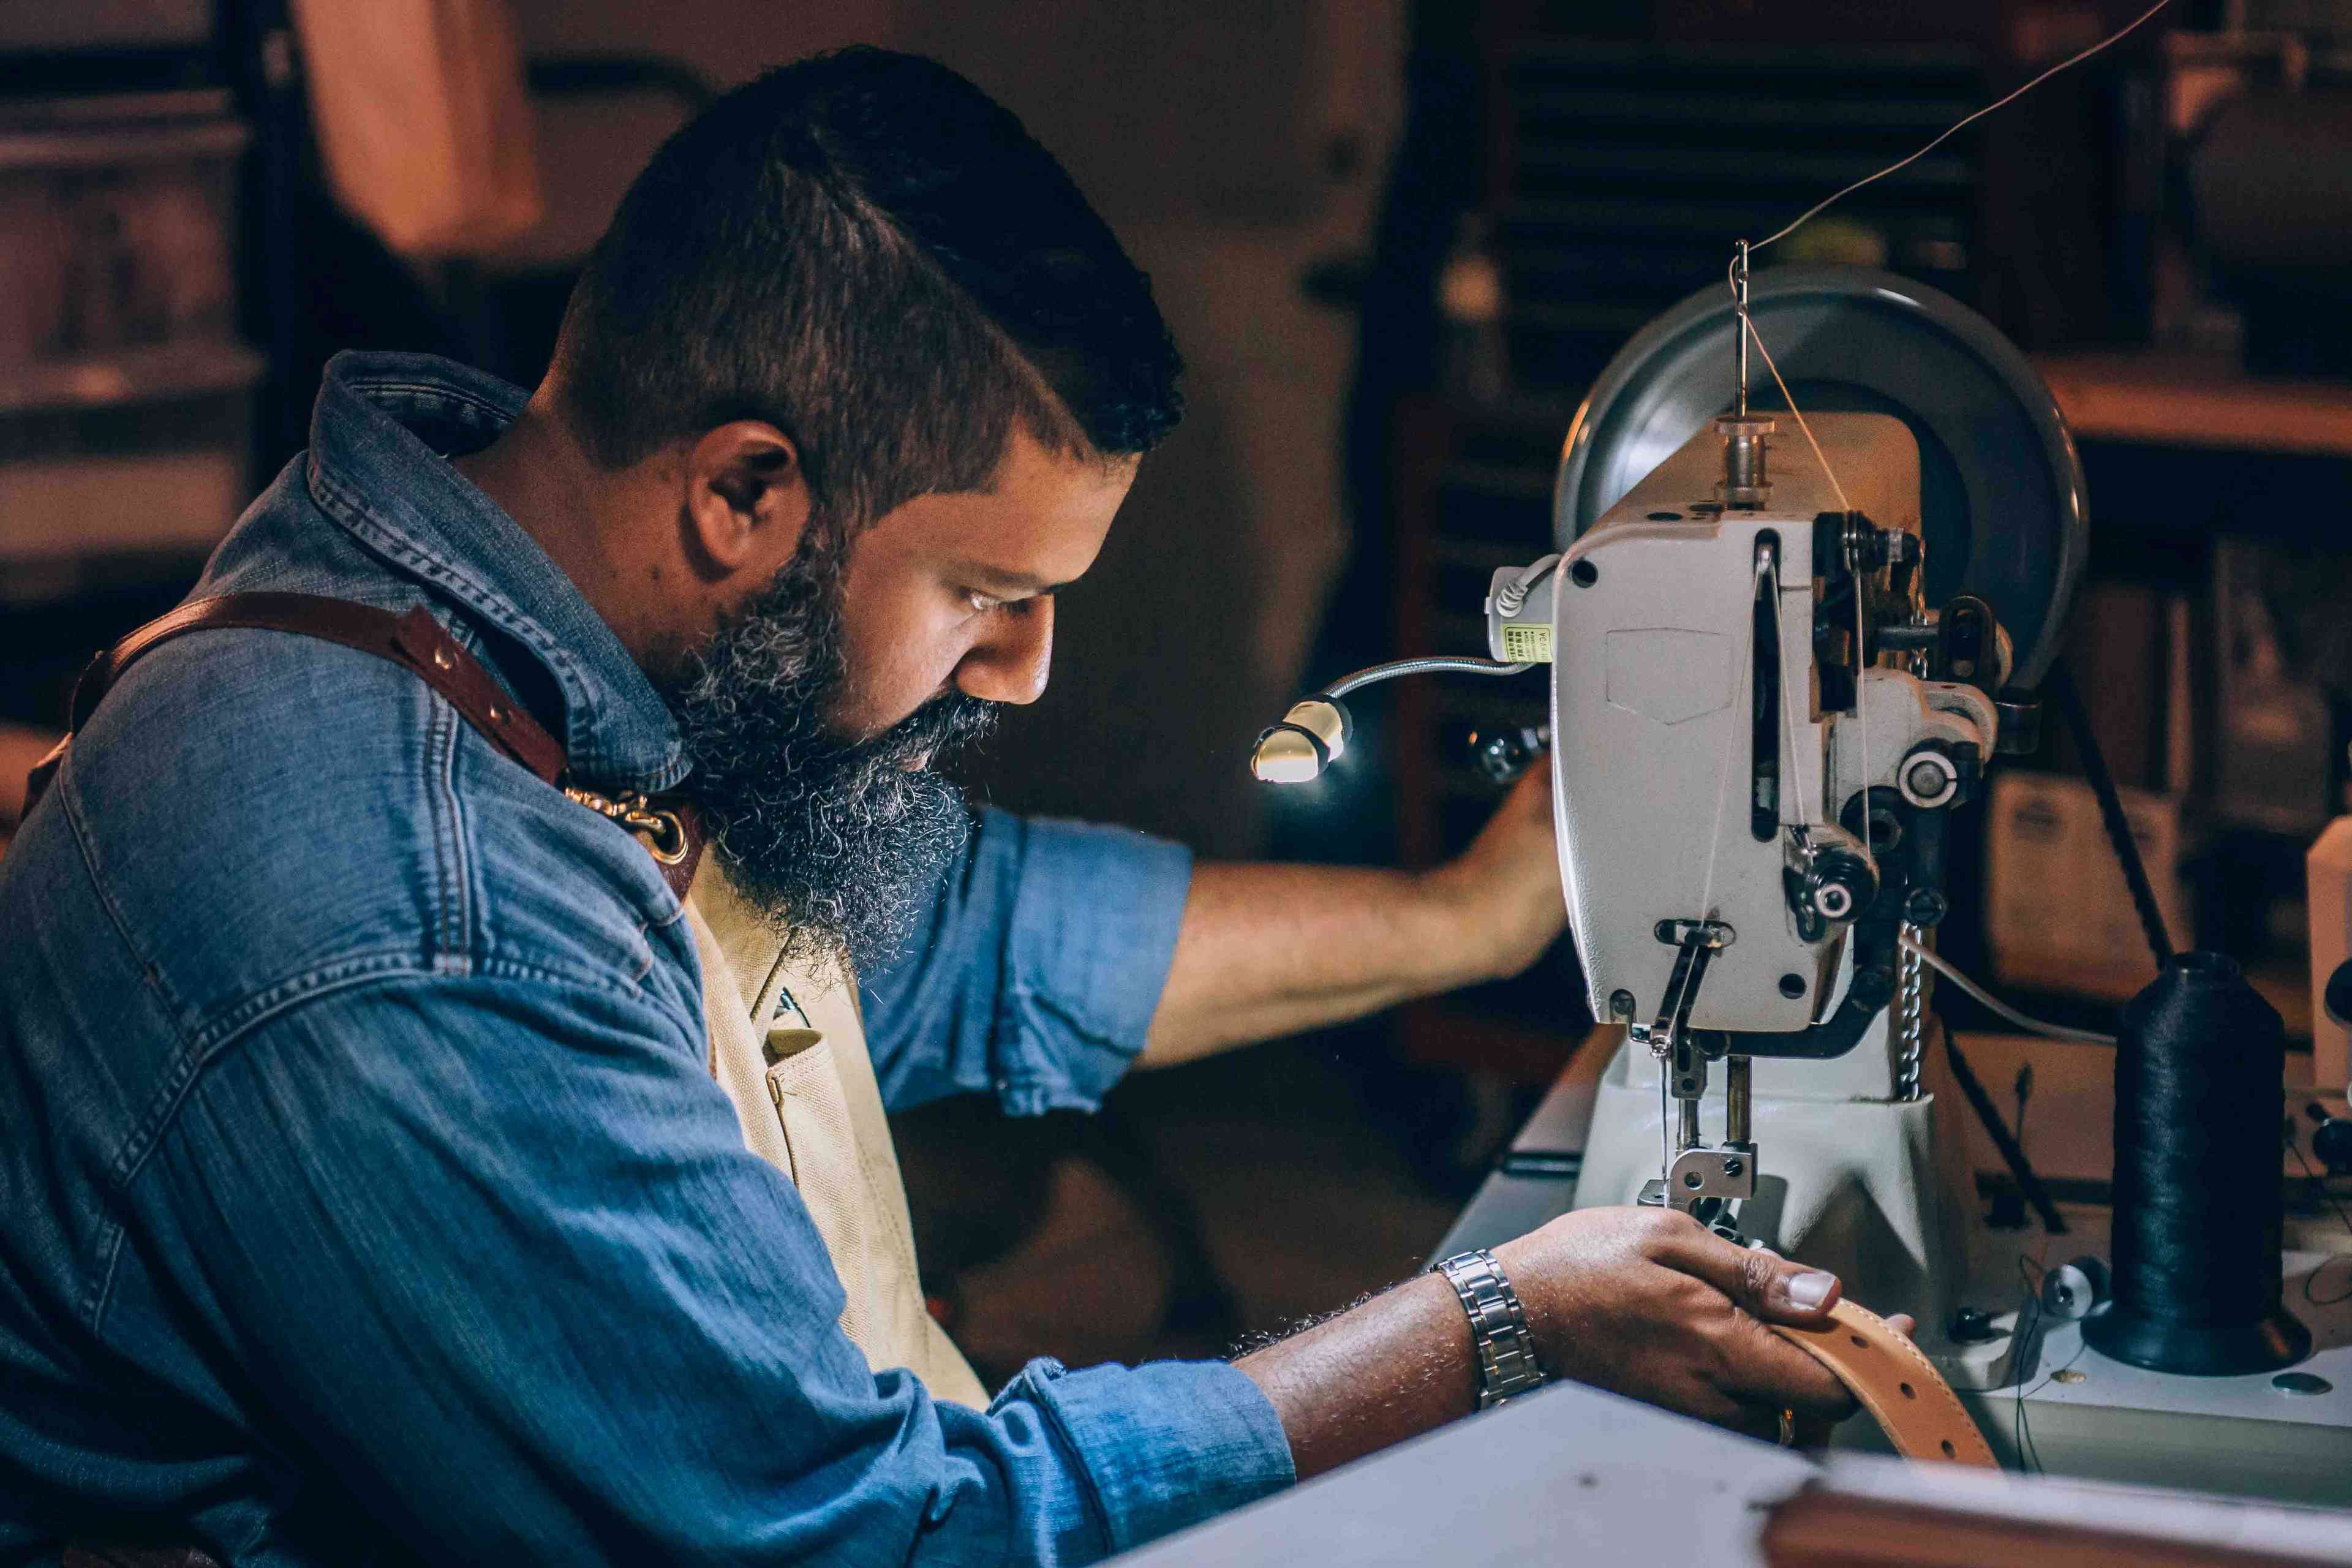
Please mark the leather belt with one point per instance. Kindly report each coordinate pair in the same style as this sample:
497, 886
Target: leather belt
420, 645
1896, 1382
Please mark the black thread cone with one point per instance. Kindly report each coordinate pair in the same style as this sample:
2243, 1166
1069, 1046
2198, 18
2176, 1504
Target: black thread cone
2200, 1098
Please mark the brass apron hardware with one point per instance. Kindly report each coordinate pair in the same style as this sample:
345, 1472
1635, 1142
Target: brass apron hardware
665, 834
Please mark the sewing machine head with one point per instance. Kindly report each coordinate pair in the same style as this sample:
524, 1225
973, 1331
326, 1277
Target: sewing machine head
1768, 686
1760, 725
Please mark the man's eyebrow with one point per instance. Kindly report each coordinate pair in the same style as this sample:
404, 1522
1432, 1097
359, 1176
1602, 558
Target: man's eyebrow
998, 578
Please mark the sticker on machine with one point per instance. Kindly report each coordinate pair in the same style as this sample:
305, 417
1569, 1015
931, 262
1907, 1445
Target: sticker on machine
1526, 644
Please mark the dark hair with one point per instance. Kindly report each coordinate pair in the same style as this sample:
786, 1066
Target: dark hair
865, 250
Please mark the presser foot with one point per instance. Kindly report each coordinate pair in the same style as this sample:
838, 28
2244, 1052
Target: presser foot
1719, 1213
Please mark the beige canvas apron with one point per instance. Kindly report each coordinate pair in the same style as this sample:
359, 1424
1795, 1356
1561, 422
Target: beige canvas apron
788, 1048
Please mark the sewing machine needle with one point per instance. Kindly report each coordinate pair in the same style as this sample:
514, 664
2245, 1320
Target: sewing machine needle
1666, 1134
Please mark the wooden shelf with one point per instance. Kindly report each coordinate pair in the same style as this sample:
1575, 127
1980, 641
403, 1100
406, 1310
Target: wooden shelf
2164, 400
156, 374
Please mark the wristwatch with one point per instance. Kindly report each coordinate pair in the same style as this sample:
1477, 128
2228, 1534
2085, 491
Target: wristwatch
1498, 1326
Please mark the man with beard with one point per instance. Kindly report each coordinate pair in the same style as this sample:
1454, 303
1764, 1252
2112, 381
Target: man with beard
367, 1186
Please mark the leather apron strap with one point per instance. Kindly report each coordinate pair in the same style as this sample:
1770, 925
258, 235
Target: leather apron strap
413, 640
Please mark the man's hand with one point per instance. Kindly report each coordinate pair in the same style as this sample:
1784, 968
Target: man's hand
1645, 1303
1269, 949
1650, 1303
1504, 891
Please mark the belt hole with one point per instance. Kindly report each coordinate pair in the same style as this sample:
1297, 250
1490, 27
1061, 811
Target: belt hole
497, 714
1860, 1343
1908, 1392
1950, 1452
441, 659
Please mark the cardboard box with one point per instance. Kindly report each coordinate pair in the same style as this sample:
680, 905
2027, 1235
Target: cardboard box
2059, 916
2327, 872
2069, 1130
2274, 744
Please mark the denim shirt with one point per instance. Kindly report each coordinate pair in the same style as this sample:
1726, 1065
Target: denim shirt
364, 1190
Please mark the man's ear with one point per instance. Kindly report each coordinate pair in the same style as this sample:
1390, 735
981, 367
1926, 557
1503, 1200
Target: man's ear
747, 498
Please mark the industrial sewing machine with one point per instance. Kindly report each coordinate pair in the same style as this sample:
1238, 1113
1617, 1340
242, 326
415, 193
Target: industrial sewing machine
1783, 647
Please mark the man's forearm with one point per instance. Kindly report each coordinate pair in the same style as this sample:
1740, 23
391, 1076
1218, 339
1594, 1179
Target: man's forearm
1645, 1303
1268, 950
1389, 1370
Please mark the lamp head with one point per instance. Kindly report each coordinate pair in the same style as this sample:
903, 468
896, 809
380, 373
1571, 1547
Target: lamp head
1311, 737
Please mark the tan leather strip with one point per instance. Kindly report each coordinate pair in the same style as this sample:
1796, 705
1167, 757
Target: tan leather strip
1896, 1383
415, 641
422, 644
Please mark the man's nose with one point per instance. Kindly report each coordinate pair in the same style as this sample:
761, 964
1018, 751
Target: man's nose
1010, 664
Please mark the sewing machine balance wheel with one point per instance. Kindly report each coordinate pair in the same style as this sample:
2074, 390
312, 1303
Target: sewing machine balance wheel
2002, 502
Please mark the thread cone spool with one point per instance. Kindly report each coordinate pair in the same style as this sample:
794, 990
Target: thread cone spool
2200, 1098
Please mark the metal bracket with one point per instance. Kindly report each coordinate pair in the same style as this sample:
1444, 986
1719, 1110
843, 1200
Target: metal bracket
1726, 1173
1698, 942
1700, 1178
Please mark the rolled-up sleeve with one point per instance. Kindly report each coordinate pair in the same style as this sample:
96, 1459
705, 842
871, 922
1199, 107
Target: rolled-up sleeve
1197, 1439
491, 1251
1035, 970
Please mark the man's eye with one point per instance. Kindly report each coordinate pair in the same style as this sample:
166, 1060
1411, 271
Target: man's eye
981, 603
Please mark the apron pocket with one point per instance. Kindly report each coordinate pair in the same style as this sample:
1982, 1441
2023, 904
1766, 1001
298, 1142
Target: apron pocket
815, 1118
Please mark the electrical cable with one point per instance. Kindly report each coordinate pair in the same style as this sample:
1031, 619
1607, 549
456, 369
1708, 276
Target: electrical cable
2060, 683
1986, 999
2030, 1315
2319, 1184
1817, 208
2021, 1088
1431, 664
1513, 596
2028, 1320
2004, 1142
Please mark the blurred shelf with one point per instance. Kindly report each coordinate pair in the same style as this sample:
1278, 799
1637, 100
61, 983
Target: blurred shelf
2164, 400
1509, 481
157, 375
143, 138
2285, 984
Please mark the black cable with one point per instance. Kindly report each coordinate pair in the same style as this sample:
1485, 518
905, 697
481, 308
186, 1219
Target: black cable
2319, 1185
2030, 1317
2060, 684
2029, 1324
2022, 1086
2011, 1155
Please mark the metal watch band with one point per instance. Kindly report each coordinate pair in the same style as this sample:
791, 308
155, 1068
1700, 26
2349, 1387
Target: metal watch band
1498, 1326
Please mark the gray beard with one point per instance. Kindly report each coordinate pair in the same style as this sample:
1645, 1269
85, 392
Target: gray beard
838, 844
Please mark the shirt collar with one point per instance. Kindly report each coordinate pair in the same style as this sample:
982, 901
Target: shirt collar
377, 437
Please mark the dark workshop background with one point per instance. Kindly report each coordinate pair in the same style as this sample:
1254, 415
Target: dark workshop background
1397, 239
